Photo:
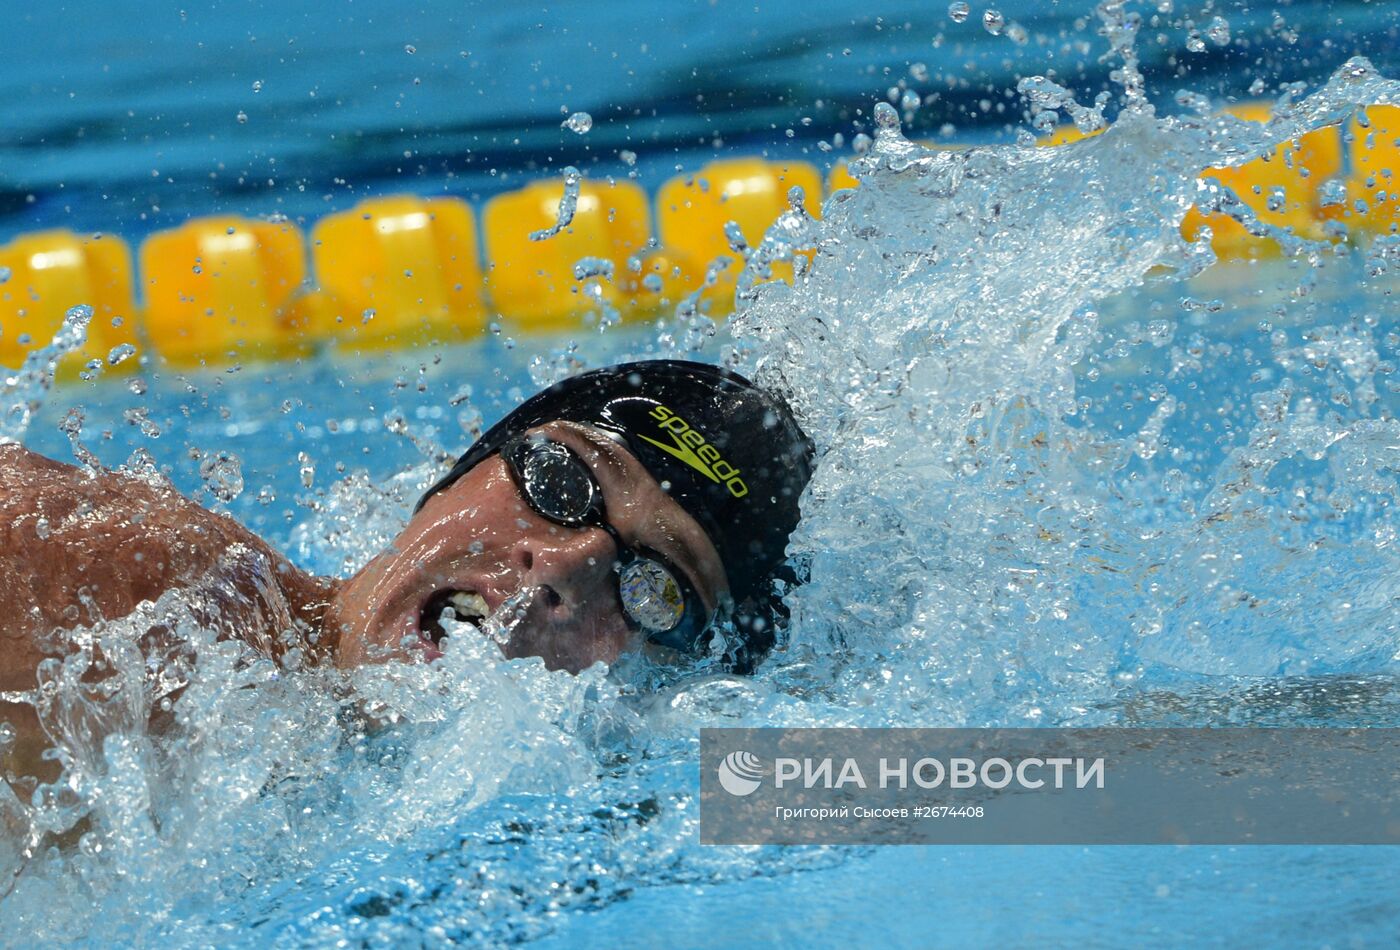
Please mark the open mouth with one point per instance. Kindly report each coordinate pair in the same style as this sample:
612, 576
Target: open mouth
459, 605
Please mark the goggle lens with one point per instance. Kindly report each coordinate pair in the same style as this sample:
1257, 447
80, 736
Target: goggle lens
559, 486
556, 484
651, 595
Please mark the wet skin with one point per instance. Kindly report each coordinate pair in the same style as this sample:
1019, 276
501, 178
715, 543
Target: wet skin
78, 548
480, 536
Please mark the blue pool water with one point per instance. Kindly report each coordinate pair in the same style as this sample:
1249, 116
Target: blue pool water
123, 119
1062, 484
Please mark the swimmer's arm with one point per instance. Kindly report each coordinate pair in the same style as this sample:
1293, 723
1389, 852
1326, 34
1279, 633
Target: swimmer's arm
78, 547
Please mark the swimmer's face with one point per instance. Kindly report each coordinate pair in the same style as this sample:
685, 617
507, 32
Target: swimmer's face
477, 543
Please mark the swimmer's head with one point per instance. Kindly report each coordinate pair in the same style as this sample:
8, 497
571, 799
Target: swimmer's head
601, 491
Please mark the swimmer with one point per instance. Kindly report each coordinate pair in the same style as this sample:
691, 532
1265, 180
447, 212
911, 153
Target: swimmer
642, 508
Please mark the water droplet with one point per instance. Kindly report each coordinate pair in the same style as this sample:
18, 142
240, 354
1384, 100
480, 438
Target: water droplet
568, 204
1197, 103
367, 316
910, 101
139, 417
1356, 68
1219, 31
41, 528
886, 119
410, 49
579, 122
242, 117
958, 11
120, 353
4, 275
1383, 256
222, 473
1333, 193
257, 85
586, 267
993, 21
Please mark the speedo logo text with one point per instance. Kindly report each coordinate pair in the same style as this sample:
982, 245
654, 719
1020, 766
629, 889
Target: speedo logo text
688, 445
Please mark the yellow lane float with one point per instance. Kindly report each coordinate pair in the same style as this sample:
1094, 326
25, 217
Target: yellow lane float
693, 210
540, 276
401, 270
661, 278
51, 271
1064, 134
224, 289
841, 177
395, 271
1283, 188
1373, 189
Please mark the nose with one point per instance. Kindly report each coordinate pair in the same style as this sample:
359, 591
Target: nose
573, 565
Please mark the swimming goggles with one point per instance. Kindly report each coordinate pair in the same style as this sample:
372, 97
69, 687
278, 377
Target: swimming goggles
656, 597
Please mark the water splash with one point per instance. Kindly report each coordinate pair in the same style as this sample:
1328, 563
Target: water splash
579, 123
22, 391
222, 474
991, 537
934, 340
568, 204
120, 354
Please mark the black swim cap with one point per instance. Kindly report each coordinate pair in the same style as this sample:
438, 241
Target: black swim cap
729, 453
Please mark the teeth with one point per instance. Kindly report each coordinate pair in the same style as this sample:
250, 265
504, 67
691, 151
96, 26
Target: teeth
469, 606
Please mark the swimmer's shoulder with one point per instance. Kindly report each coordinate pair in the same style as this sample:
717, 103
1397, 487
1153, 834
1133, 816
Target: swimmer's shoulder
25, 478
30, 481
17, 459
